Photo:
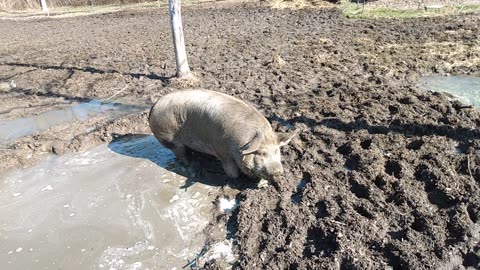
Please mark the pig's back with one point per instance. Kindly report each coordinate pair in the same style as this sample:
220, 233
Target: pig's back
206, 121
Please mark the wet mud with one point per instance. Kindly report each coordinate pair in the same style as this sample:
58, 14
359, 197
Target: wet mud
104, 209
20, 127
383, 174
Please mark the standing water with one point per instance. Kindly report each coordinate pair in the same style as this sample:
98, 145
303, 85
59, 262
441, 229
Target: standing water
13, 129
117, 206
465, 88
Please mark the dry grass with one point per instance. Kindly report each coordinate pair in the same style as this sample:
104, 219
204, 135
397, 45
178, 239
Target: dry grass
446, 55
69, 11
453, 54
25, 5
299, 4
183, 83
277, 62
352, 10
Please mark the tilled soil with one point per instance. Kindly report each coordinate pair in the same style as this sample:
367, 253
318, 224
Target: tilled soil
391, 173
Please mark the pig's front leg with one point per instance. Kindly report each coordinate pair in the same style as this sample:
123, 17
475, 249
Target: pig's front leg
230, 167
180, 152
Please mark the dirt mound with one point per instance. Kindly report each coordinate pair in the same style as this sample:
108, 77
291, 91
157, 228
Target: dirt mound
391, 174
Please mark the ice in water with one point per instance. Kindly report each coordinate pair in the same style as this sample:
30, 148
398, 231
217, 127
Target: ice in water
12, 129
465, 88
107, 208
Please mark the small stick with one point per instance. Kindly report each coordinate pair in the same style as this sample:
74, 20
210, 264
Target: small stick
470, 169
114, 95
339, 223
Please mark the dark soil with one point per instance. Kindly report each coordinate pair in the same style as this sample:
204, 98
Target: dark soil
391, 174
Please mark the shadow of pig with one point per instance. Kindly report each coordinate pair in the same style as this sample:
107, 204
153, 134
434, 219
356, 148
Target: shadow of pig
203, 168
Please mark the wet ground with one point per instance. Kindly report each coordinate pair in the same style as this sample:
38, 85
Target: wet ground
13, 129
104, 208
465, 89
382, 174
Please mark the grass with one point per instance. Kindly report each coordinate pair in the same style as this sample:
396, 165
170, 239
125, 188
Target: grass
355, 11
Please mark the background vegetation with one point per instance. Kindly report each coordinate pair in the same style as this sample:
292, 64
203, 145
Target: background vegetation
17, 5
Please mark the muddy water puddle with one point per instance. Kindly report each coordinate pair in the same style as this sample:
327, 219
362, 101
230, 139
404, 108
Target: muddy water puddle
117, 206
13, 129
465, 88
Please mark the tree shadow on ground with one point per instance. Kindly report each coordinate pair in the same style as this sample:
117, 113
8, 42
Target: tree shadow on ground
203, 168
49, 91
48, 94
92, 70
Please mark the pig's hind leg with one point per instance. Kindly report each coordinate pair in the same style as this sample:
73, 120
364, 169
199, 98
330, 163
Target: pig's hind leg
178, 149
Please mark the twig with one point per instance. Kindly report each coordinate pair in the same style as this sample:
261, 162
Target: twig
470, 169
194, 262
339, 223
190, 263
117, 93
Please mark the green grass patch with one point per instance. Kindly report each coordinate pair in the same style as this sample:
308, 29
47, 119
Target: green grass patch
358, 11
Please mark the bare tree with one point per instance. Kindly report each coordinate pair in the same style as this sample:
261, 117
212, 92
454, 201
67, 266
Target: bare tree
183, 70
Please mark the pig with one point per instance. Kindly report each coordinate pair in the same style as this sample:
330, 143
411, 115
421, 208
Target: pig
222, 126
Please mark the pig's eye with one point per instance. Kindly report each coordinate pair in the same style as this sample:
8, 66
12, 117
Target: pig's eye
261, 153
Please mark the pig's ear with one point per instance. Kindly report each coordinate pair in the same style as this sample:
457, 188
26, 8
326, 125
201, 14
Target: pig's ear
253, 144
285, 138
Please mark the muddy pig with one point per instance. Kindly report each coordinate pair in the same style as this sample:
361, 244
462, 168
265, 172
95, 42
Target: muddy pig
222, 126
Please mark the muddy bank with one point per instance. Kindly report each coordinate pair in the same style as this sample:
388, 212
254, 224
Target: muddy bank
391, 173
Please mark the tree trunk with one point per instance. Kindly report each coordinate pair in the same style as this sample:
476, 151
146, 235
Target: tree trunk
44, 6
178, 40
